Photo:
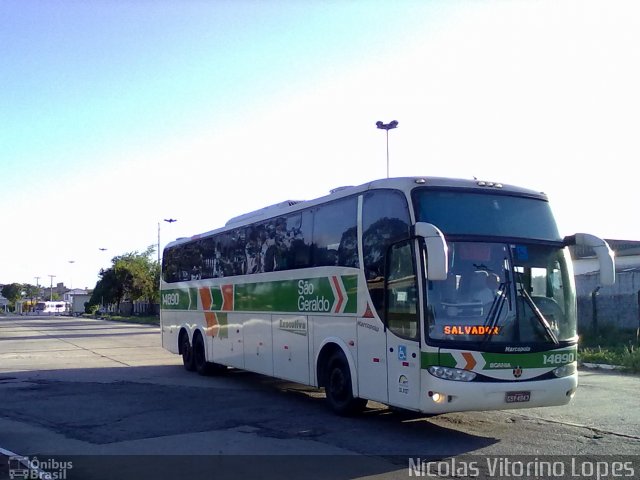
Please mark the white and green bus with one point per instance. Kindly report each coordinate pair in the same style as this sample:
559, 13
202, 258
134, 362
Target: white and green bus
429, 294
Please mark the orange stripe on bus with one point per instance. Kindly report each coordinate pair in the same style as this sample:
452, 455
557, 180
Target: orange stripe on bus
212, 324
205, 296
471, 361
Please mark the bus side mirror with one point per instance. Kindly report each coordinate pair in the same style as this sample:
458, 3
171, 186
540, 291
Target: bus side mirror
437, 251
603, 252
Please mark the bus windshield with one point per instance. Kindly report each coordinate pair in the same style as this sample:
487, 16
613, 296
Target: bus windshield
486, 214
497, 293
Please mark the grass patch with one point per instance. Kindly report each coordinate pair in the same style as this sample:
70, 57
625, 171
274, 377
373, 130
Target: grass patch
611, 347
139, 319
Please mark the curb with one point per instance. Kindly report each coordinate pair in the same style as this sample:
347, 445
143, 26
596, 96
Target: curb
600, 366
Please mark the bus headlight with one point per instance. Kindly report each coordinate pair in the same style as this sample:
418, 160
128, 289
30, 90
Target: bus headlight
448, 373
565, 370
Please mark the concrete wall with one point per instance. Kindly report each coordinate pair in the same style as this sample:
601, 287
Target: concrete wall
616, 305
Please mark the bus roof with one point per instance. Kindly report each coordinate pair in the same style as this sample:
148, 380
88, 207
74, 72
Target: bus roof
400, 183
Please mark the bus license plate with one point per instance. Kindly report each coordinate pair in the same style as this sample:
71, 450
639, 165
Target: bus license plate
516, 397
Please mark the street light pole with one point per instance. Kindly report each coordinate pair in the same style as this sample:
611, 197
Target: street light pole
168, 220
102, 249
71, 262
387, 127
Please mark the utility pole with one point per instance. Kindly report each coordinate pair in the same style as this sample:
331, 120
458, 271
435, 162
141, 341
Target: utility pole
37, 292
51, 297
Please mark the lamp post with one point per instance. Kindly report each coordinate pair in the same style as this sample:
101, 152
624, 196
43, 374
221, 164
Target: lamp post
387, 127
102, 250
168, 220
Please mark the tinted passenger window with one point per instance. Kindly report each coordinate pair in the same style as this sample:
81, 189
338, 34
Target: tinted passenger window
282, 243
295, 241
335, 234
211, 265
169, 265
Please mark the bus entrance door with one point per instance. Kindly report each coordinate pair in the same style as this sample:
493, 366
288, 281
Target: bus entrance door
372, 359
402, 319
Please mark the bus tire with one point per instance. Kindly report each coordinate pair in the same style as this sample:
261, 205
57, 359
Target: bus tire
188, 359
338, 387
200, 358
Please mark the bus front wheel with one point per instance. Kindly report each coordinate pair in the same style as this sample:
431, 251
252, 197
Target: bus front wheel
338, 387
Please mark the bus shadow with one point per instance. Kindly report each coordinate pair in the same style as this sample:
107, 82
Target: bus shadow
389, 431
159, 407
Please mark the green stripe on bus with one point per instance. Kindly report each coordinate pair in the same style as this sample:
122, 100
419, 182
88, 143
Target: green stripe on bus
335, 294
427, 359
350, 283
223, 332
498, 361
179, 299
308, 295
554, 358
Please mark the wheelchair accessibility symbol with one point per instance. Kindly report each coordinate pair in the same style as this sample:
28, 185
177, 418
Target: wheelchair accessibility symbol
402, 352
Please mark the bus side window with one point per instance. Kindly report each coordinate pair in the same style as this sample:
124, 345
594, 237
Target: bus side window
401, 291
299, 240
334, 234
208, 250
169, 268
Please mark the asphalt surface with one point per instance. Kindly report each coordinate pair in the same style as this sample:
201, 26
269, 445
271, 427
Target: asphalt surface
106, 396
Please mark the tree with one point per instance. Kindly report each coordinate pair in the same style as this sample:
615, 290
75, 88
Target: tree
30, 291
138, 274
12, 292
132, 276
108, 289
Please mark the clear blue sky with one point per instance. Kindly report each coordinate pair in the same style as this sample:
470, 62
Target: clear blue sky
117, 114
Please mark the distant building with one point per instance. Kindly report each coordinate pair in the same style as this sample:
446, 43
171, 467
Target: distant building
69, 294
617, 305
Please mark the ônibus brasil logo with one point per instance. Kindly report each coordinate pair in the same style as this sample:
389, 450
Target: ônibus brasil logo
47, 469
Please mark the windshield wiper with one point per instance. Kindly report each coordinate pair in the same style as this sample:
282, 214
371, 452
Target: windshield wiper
496, 308
538, 314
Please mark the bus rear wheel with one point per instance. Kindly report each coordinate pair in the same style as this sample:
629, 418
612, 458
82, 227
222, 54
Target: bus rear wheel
200, 358
188, 359
338, 387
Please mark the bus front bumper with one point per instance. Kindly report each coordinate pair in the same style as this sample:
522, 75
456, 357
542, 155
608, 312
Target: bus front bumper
441, 396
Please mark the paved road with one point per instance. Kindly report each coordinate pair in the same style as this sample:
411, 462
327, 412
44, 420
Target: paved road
107, 392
